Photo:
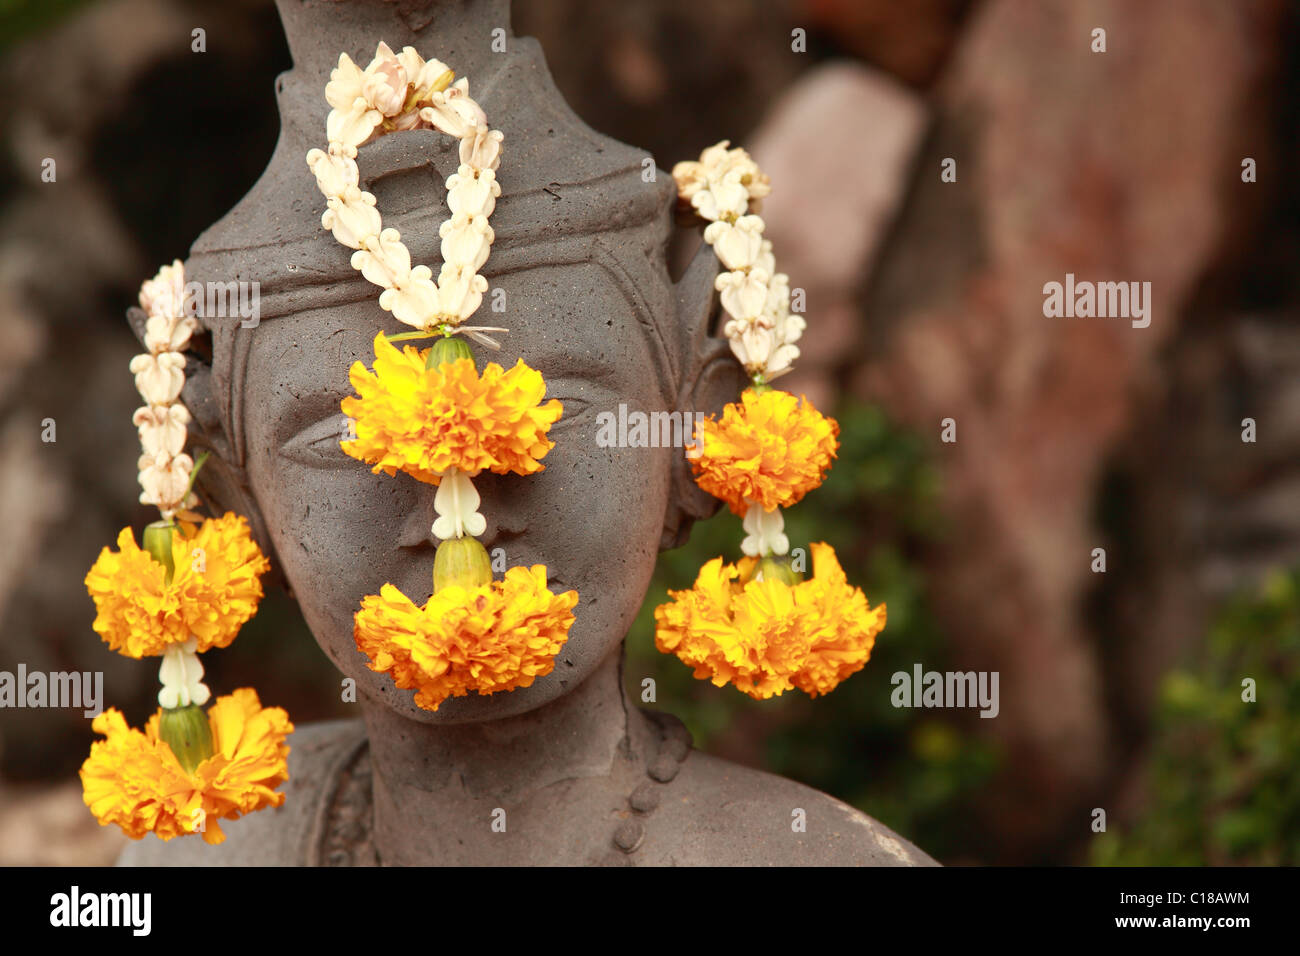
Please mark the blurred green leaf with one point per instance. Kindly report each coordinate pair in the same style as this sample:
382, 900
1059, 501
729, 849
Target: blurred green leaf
1222, 782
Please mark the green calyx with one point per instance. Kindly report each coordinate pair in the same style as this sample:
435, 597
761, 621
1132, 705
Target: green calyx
189, 735
776, 568
448, 348
463, 562
158, 542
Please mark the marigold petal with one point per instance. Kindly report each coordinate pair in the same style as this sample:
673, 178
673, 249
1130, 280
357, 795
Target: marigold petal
132, 779
770, 448
492, 638
425, 421
214, 591
766, 637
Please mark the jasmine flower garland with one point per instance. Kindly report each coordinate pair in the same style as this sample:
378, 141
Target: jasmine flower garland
431, 413
757, 624
190, 588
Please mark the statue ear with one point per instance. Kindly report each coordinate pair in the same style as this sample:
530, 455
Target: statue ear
223, 483
711, 377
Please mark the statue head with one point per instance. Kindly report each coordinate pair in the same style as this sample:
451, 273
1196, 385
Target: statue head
579, 276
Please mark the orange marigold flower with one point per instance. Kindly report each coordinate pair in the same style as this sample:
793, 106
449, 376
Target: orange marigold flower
216, 587
134, 780
424, 421
490, 638
770, 449
766, 637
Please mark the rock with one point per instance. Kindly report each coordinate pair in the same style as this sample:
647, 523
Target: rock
1111, 166
910, 40
838, 146
50, 826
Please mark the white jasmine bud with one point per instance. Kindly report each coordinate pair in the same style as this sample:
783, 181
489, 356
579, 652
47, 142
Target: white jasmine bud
163, 333
416, 303
384, 83
466, 241
743, 294
385, 261
737, 244
353, 126
766, 532
164, 294
457, 505
181, 675
162, 428
481, 149
334, 173
473, 195
460, 292
164, 478
353, 222
344, 87
453, 111
766, 261
159, 378
780, 359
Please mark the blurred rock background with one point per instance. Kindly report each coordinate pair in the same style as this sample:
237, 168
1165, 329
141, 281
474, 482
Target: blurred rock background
924, 303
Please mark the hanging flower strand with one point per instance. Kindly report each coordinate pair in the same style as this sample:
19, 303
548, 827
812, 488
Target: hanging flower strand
757, 624
430, 413
403, 92
189, 589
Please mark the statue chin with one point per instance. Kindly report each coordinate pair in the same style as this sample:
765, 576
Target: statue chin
589, 304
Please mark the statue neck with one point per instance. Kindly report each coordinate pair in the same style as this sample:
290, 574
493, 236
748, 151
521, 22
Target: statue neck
432, 779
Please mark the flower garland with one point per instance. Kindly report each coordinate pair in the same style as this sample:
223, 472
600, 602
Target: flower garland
435, 416
189, 589
757, 624
431, 413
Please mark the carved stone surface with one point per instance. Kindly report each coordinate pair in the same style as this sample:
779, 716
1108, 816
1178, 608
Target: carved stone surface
556, 772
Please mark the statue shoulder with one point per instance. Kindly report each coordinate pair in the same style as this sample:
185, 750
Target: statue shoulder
728, 815
285, 836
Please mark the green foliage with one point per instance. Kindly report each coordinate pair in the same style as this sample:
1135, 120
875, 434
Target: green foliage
912, 769
20, 18
1223, 787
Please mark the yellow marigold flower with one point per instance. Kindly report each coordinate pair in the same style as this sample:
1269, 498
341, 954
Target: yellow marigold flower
771, 448
491, 638
424, 421
133, 779
215, 589
766, 637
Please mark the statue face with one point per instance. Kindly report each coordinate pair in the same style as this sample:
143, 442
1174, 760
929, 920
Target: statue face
594, 516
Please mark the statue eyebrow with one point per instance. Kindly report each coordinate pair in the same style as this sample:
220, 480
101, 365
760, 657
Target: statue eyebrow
567, 365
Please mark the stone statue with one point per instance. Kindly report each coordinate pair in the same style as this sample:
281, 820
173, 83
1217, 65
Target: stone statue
568, 770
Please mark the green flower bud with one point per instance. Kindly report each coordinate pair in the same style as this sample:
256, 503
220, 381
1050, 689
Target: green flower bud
776, 568
449, 348
461, 561
158, 542
189, 735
